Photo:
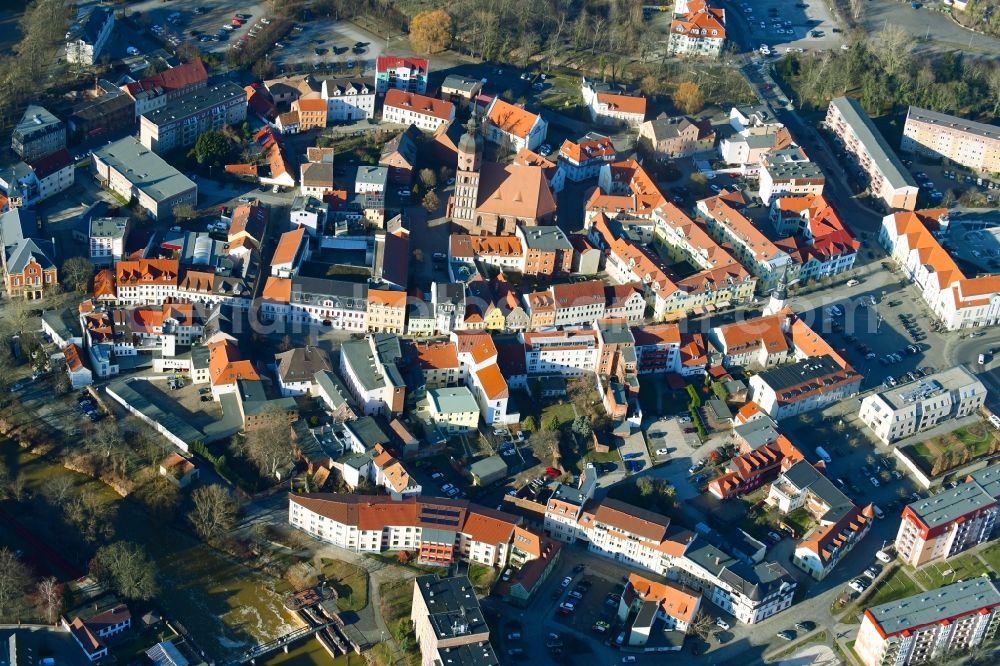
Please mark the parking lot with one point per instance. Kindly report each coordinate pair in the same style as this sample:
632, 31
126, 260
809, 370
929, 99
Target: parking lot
198, 18
791, 25
684, 450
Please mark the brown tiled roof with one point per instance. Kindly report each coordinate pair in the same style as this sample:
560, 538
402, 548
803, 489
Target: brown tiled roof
632, 519
428, 106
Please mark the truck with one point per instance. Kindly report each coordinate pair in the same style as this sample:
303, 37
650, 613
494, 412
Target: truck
823, 455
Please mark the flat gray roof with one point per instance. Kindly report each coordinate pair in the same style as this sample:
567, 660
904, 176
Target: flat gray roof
546, 238
950, 601
945, 381
195, 102
875, 144
954, 122
453, 400
785, 170
951, 504
146, 170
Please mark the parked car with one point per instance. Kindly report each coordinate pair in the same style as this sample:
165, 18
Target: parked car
805, 625
858, 585
722, 624
566, 581
786, 635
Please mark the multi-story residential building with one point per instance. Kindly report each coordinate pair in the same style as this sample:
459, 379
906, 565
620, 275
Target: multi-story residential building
129, 169
800, 387
504, 252
386, 311
625, 301
87, 37
311, 110
627, 534
191, 115
697, 29
37, 134
297, 368
369, 369
547, 251
453, 409
441, 531
676, 606
840, 524
958, 301
727, 224
154, 92
399, 156
888, 179
292, 249
940, 136
609, 106
370, 179
316, 179
750, 470
406, 74
437, 361
932, 625
25, 184
942, 525
917, 406
758, 342
820, 244
348, 99
448, 306
578, 303
108, 236
109, 111
448, 624
581, 160
779, 177
28, 260
318, 302
514, 127
750, 592
427, 113
569, 353
657, 348
146, 281
676, 137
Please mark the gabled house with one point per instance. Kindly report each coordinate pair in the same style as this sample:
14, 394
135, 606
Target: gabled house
28, 261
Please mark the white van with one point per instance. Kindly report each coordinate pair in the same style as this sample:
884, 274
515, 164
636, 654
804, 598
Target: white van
853, 282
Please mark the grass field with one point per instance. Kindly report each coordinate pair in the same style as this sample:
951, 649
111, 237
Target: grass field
562, 411
992, 556
350, 581
482, 578
897, 586
958, 568
397, 601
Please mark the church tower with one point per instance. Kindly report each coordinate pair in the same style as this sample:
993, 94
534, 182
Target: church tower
779, 295
470, 155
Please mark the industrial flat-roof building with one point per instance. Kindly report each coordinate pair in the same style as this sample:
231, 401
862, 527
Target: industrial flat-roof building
132, 171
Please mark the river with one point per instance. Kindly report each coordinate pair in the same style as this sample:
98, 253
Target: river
309, 652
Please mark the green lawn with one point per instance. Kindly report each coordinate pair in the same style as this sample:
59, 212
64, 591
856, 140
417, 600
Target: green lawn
992, 556
350, 581
897, 585
956, 448
958, 568
563, 412
482, 578
799, 520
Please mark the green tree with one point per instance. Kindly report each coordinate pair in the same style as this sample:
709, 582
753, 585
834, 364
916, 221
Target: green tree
552, 424
530, 424
124, 567
211, 148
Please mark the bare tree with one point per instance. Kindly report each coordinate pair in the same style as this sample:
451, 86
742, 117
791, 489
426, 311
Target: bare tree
49, 595
892, 48
92, 515
267, 445
58, 489
214, 512
14, 581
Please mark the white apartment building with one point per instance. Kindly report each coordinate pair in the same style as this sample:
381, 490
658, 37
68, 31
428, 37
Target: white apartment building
910, 238
569, 353
146, 281
917, 406
348, 99
441, 531
931, 625
938, 135
107, 239
803, 386
513, 126
368, 368
427, 113
86, 39
697, 29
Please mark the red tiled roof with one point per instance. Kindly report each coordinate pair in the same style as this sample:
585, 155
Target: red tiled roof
428, 106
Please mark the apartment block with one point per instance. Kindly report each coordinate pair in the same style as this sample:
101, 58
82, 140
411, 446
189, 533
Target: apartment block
547, 250
406, 74
945, 524
888, 179
800, 387
917, 406
369, 369
440, 531
569, 353
697, 29
931, 625
348, 99
427, 113
940, 136
189, 116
